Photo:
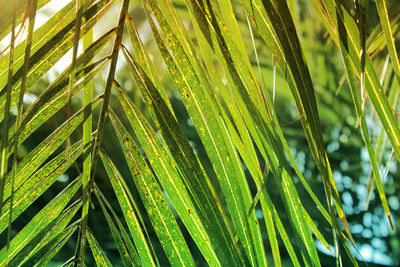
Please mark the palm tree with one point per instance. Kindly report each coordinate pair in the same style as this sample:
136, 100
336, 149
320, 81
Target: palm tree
230, 191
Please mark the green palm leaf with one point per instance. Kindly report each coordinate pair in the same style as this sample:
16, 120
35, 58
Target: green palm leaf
199, 166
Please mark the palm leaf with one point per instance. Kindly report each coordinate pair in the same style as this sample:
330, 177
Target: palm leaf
228, 190
131, 219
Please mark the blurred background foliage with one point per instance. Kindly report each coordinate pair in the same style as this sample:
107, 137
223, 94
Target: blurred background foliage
376, 243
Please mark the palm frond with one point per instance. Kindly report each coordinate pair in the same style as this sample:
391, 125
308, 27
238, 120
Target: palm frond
198, 165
